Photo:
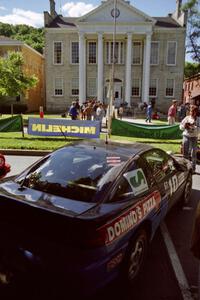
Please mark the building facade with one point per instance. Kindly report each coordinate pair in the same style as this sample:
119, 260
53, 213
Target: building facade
148, 56
191, 89
33, 65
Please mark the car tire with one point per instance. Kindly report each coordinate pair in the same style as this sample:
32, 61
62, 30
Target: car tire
135, 256
187, 190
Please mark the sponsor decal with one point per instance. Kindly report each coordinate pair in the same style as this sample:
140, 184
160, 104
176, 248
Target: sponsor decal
60, 127
181, 178
137, 181
115, 261
128, 220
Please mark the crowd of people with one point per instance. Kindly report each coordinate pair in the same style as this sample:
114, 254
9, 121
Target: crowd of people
90, 110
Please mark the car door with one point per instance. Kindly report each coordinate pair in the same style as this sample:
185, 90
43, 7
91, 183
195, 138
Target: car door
166, 174
136, 193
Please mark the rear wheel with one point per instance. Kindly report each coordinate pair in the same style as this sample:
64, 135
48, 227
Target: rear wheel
136, 255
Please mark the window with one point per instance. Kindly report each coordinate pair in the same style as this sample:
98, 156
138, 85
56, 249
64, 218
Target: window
154, 59
159, 163
171, 53
137, 53
92, 87
128, 185
92, 55
58, 90
75, 52
57, 53
136, 87
75, 87
119, 52
153, 88
169, 88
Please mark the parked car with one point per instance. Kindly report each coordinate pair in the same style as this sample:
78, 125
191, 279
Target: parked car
86, 213
4, 167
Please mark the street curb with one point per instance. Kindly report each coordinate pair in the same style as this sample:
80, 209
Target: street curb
25, 152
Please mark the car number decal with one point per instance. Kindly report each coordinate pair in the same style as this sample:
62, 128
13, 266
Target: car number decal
128, 220
137, 181
173, 184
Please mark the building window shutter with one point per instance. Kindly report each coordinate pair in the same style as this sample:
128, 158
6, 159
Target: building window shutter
171, 53
57, 53
75, 52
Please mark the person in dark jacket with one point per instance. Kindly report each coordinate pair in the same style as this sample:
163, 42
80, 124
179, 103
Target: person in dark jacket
73, 112
195, 242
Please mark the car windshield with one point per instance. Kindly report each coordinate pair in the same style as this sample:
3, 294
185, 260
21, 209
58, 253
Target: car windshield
78, 173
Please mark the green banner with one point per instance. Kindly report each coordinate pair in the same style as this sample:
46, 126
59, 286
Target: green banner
123, 128
13, 124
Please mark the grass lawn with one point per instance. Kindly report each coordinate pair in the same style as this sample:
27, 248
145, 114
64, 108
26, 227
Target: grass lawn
16, 141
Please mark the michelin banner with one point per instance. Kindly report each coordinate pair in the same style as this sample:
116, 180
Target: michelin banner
63, 127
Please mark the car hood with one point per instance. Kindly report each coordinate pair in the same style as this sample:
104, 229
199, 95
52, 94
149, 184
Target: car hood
13, 191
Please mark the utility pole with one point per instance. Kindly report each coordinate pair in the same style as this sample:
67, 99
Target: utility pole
112, 92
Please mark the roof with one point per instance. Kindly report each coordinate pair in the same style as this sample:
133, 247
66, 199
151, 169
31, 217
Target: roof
166, 22
66, 22
125, 149
61, 22
9, 41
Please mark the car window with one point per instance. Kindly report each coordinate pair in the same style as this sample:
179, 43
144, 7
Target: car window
75, 172
160, 163
132, 183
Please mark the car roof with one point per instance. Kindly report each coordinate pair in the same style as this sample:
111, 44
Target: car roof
125, 149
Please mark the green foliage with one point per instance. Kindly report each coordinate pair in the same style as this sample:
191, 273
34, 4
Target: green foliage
191, 69
33, 37
193, 32
13, 81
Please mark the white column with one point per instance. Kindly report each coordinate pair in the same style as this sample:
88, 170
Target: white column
146, 69
100, 68
128, 69
82, 70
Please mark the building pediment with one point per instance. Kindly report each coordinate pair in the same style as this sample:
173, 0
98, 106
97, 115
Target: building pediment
125, 13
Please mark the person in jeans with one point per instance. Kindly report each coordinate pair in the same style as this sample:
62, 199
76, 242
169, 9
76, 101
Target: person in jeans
190, 126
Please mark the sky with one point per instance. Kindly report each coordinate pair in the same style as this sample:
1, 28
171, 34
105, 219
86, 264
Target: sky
30, 12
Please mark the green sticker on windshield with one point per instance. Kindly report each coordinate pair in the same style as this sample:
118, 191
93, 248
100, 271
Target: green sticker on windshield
137, 181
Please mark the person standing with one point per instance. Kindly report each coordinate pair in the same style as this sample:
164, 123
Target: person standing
121, 110
172, 113
190, 126
73, 112
100, 113
149, 112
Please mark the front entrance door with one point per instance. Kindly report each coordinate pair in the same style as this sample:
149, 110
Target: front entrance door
117, 94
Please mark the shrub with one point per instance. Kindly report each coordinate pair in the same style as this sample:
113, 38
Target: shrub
17, 108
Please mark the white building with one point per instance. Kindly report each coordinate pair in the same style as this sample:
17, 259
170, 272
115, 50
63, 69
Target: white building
149, 56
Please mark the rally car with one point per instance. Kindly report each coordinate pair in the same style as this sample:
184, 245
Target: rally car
4, 167
86, 213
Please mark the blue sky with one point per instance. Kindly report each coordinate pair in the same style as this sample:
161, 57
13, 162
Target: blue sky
30, 12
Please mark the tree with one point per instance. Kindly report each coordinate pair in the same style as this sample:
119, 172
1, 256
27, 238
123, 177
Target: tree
191, 69
33, 37
193, 32
13, 80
